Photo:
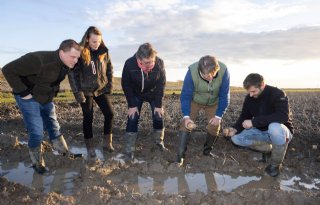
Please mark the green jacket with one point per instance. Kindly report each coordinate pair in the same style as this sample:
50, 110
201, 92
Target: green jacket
37, 73
206, 93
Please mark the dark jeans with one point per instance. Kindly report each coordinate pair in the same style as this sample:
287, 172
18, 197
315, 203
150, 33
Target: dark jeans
132, 123
87, 110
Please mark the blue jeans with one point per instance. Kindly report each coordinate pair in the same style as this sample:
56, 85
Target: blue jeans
132, 123
277, 134
37, 118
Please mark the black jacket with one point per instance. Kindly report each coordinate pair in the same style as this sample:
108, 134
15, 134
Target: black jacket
37, 73
271, 106
94, 79
147, 87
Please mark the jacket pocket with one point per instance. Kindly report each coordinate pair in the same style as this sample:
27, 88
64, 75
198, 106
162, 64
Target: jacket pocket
42, 93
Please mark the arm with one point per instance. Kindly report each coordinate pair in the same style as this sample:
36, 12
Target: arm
109, 74
187, 94
127, 86
161, 84
281, 114
24, 66
245, 114
74, 81
224, 95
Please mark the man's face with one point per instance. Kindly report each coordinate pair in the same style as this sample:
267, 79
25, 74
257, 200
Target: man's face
147, 64
254, 92
69, 58
209, 76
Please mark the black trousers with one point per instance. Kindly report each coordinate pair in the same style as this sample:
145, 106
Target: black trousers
87, 111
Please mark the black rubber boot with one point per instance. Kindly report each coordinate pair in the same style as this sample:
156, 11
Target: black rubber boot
207, 147
277, 156
184, 140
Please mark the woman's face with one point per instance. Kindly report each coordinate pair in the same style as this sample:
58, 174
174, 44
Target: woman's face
94, 41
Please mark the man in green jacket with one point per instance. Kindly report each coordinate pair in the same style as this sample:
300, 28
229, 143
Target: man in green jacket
205, 87
35, 79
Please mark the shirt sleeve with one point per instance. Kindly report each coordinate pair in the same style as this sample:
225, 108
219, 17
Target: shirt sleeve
224, 95
24, 66
187, 94
127, 86
161, 84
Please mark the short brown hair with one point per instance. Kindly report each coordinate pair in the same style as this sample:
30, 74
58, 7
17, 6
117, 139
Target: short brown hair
66, 45
253, 79
208, 64
146, 50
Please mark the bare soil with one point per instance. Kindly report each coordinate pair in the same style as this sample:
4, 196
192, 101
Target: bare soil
109, 181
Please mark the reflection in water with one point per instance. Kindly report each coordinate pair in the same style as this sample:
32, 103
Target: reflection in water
285, 184
60, 181
83, 151
190, 182
120, 158
208, 182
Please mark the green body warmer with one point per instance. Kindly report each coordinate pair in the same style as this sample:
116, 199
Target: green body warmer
206, 93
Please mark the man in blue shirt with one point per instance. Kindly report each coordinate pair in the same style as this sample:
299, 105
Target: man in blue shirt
205, 87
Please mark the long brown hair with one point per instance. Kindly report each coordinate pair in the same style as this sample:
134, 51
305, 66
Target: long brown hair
85, 53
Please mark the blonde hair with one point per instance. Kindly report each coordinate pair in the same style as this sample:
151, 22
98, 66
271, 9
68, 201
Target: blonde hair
85, 53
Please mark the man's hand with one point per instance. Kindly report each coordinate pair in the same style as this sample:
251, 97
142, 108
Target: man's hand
189, 124
229, 132
29, 96
132, 111
215, 121
159, 111
247, 124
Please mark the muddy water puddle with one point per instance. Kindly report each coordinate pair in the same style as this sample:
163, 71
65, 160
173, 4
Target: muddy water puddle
63, 180
59, 181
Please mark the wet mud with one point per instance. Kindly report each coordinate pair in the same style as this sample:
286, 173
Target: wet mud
231, 176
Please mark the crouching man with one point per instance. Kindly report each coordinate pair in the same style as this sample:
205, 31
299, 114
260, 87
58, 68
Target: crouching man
35, 79
206, 87
265, 122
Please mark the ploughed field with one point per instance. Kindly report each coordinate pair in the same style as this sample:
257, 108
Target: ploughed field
232, 176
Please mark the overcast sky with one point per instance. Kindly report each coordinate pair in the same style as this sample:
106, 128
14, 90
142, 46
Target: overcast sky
279, 39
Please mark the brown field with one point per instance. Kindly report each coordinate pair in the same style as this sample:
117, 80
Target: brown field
233, 176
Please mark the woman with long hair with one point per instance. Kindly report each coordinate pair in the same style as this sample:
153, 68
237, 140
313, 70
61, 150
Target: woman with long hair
91, 80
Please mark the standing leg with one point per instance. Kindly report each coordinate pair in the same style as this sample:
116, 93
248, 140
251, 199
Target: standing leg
87, 112
132, 131
184, 134
158, 128
33, 121
49, 116
107, 111
280, 137
212, 130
